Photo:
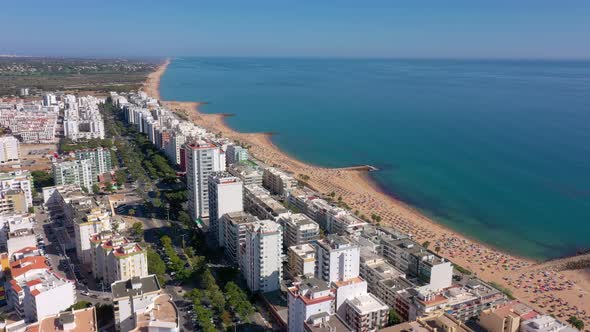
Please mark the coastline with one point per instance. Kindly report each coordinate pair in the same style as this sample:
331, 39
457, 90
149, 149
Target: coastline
364, 194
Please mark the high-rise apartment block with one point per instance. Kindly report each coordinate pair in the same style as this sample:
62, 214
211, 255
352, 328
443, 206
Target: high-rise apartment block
298, 229
202, 160
261, 256
100, 159
78, 172
225, 196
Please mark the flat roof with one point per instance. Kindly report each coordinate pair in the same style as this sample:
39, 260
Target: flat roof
334, 324
125, 288
162, 310
84, 321
366, 303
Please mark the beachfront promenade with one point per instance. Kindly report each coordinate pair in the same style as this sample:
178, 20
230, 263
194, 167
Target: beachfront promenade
545, 289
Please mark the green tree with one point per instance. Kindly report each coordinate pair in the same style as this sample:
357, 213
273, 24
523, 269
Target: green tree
95, 189
425, 244
79, 305
217, 300
207, 280
437, 249
120, 176
576, 322
184, 218
137, 229
155, 263
166, 241
108, 186
131, 212
42, 179
394, 318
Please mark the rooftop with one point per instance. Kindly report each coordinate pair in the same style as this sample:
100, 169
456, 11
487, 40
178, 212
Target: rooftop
514, 308
83, 320
444, 323
366, 303
303, 249
162, 312
239, 217
135, 286
406, 327
333, 324
22, 266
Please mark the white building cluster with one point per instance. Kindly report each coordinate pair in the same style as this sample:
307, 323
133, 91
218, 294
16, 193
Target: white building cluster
31, 121
344, 273
82, 118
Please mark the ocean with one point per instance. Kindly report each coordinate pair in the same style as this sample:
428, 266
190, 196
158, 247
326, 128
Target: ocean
497, 150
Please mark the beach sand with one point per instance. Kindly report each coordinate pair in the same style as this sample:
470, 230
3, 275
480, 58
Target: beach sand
358, 191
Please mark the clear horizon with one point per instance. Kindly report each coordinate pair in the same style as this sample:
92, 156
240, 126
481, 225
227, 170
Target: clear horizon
527, 30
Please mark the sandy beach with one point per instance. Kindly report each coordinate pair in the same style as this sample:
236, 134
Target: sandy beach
546, 287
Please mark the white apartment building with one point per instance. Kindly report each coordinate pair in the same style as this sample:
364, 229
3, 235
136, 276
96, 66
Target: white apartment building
79, 172
261, 256
301, 260
140, 305
298, 229
172, 149
225, 196
9, 149
100, 159
202, 159
413, 259
341, 221
11, 223
310, 302
47, 295
545, 323
236, 154
115, 258
366, 313
258, 201
82, 118
18, 180
35, 292
338, 259
20, 239
49, 99
87, 222
30, 126
234, 224
277, 181
374, 268
248, 174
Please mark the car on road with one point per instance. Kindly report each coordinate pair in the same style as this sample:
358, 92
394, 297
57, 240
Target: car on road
85, 293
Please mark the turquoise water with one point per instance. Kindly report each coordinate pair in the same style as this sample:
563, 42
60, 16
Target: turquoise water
498, 150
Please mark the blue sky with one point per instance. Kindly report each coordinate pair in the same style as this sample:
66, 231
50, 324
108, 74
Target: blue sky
363, 28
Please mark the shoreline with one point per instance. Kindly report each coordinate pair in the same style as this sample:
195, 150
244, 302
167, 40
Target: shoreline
361, 192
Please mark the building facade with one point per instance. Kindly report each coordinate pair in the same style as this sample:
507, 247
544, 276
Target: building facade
78, 172
261, 256
202, 160
225, 196
100, 159
9, 149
